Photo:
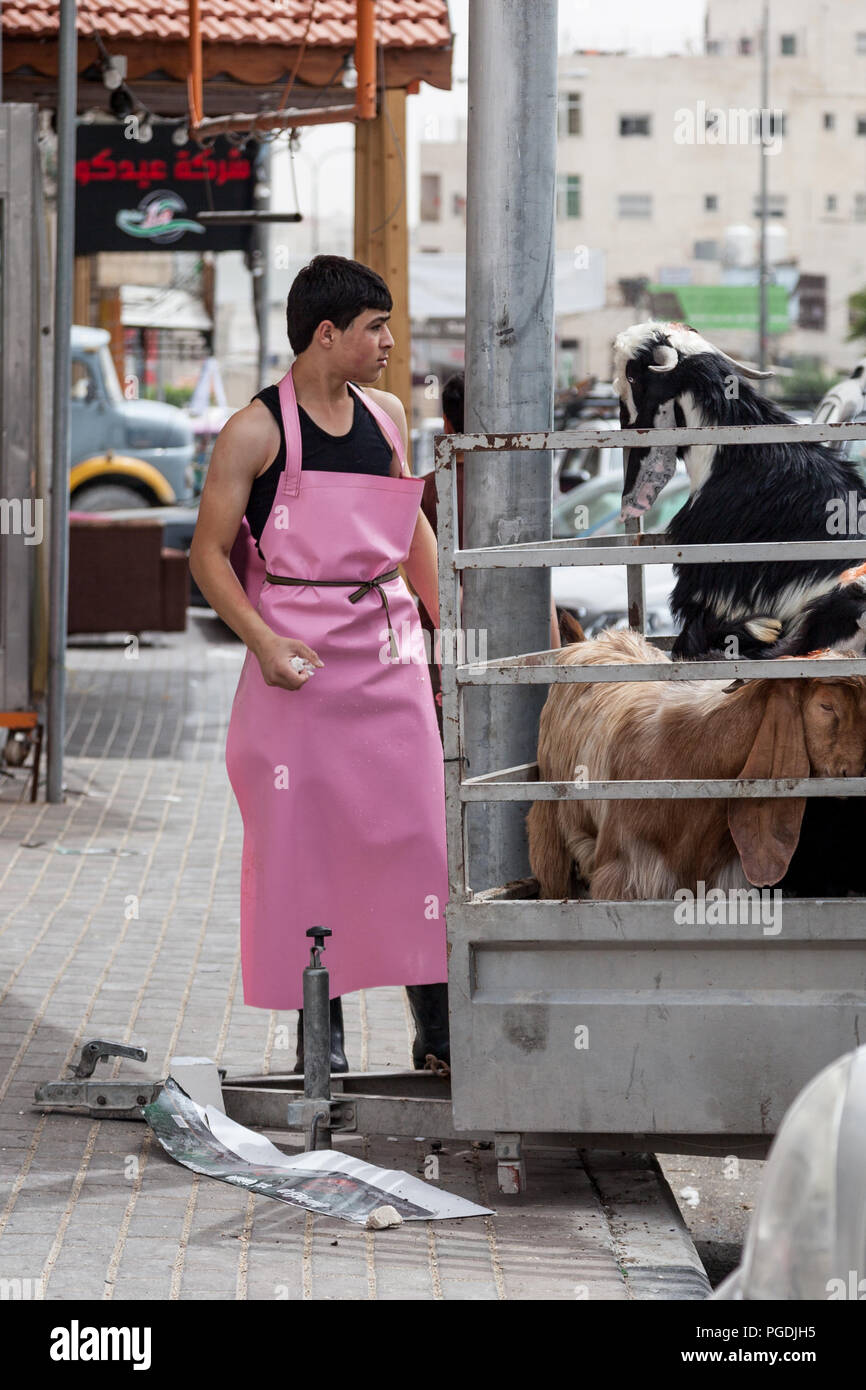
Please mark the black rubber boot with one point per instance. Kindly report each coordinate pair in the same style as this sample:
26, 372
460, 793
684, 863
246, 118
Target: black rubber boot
429, 1005
338, 1056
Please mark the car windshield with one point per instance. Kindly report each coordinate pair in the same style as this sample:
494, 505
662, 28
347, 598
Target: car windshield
594, 509
587, 507
109, 375
857, 453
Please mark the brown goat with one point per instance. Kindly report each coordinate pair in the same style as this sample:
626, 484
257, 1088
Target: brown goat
697, 729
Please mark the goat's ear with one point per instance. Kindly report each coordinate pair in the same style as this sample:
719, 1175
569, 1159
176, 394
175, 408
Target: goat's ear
766, 830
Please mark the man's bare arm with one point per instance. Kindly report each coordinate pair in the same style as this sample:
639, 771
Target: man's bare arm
421, 565
244, 445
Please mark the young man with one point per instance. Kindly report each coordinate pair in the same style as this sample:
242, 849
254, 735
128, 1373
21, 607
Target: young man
332, 750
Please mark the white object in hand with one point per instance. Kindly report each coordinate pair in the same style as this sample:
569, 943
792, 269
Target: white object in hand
300, 663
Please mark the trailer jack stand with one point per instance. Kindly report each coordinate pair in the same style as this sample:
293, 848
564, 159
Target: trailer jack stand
314, 1113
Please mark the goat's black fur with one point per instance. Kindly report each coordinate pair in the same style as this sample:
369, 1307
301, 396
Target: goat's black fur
759, 492
831, 620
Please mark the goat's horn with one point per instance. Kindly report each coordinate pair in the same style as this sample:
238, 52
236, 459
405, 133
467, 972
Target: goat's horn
666, 358
741, 367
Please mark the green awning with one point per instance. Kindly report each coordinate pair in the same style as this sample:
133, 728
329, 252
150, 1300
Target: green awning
709, 308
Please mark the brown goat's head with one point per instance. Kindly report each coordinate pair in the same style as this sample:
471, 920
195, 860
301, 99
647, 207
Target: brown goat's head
814, 727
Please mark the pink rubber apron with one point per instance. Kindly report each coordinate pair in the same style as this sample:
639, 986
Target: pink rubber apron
340, 784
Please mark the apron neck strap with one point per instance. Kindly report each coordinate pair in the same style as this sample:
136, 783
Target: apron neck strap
292, 431
385, 423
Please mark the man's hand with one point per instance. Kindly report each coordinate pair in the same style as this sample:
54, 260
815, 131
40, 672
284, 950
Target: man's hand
286, 662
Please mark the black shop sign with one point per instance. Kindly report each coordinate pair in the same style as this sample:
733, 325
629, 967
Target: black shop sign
133, 195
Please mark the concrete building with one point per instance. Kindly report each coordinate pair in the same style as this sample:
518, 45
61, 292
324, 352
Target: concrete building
659, 168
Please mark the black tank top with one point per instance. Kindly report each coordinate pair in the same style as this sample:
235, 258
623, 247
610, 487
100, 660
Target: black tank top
363, 450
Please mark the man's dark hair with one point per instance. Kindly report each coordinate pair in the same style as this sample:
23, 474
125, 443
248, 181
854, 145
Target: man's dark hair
452, 401
331, 287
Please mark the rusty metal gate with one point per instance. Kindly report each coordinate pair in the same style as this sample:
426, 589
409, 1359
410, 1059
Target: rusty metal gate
606, 1020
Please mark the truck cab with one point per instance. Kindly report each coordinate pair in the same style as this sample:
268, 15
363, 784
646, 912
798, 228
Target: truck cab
124, 453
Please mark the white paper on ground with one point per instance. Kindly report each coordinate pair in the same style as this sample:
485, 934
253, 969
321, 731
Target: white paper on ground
200, 1078
255, 1148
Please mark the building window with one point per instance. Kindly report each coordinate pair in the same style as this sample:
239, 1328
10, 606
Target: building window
567, 196
458, 205
634, 125
831, 202
776, 205
570, 114
431, 197
861, 125
714, 47
860, 207
706, 251
812, 296
787, 44
861, 41
745, 46
829, 120
711, 202
634, 205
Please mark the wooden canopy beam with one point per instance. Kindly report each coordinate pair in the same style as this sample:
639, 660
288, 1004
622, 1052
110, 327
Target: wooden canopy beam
381, 226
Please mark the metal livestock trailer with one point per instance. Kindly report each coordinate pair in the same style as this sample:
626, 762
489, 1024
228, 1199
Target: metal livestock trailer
608, 1020
576, 1023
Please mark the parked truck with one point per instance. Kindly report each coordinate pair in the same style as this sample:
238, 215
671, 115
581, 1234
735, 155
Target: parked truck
125, 453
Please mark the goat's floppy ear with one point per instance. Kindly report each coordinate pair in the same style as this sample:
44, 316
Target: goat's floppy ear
766, 830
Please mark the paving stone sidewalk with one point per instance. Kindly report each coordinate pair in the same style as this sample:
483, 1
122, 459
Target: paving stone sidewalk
119, 919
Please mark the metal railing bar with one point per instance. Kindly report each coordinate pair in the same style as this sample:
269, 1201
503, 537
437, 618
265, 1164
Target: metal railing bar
533, 670
559, 541
538, 440
671, 789
521, 772
572, 553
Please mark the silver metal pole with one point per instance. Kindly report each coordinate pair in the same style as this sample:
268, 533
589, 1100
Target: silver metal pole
64, 265
509, 381
762, 148
262, 282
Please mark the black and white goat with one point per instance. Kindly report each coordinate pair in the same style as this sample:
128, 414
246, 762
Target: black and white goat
668, 374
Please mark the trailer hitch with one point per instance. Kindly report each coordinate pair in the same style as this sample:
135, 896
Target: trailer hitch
119, 1100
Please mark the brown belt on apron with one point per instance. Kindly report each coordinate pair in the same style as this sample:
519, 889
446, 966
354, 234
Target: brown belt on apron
365, 588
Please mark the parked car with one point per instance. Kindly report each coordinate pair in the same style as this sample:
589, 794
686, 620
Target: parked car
571, 467
855, 449
597, 595
421, 438
124, 453
844, 401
